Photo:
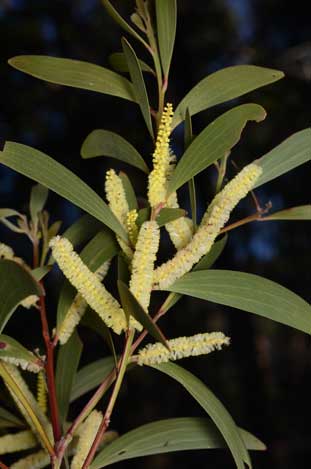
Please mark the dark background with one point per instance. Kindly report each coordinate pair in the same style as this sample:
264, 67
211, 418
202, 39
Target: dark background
264, 378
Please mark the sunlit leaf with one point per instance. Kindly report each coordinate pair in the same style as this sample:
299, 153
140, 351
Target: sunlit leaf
166, 13
105, 143
74, 73
291, 153
40, 167
16, 284
139, 87
215, 141
247, 292
166, 436
213, 407
224, 85
66, 370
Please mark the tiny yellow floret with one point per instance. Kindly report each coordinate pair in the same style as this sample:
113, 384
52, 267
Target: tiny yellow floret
215, 218
42, 392
182, 347
86, 437
162, 159
116, 197
132, 228
143, 262
88, 284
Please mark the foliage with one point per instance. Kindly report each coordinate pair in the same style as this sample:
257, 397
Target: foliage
127, 229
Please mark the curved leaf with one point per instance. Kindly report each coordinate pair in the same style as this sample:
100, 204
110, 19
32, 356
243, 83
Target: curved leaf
129, 191
215, 141
41, 272
105, 143
291, 153
90, 376
213, 407
82, 230
40, 167
247, 292
8, 420
224, 85
119, 64
210, 258
302, 212
74, 73
14, 352
166, 12
165, 215
139, 87
16, 284
66, 369
38, 198
165, 436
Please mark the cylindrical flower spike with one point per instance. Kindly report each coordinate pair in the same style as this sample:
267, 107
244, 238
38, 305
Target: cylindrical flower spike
42, 392
147, 246
17, 442
77, 309
199, 344
162, 159
116, 197
86, 438
88, 284
214, 219
132, 228
34, 461
180, 230
6, 252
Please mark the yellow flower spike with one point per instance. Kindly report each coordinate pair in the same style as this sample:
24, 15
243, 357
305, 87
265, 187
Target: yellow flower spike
33, 461
147, 246
41, 392
116, 196
214, 219
88, 284
162, 159
77, 309
182, 347
30, 301
86, 438
132, 228
17, 442
180, 230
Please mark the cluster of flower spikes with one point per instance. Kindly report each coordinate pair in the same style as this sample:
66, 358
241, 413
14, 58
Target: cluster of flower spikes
180, 230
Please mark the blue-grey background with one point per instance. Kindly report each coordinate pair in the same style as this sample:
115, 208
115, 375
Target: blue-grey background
264, 377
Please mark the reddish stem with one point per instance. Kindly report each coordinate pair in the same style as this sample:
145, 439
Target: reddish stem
49, 369
3, 466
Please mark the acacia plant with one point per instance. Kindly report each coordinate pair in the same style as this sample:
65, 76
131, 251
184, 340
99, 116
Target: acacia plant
127, 232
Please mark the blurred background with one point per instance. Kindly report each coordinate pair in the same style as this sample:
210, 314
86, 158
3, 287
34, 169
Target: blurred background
264, 377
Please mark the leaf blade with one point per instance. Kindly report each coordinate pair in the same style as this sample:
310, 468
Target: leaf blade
214, 142
302, 212
224, 85
166, 13
48, 172
247, 292
90, 376
74, 73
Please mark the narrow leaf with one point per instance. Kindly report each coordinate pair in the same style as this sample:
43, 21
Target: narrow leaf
38, 198
166, 215
215, 141
291, 153
119, 64
121, 22
302, 212
224, 85
13, 352
132, 308
16, 284
188, 137
129, 191
8, 212
40, 272
166, 436
247, 292
213, 407
67, 364
105, 143
166, 12
82, 230
40, 167
90, 376
74, 73
139, 87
